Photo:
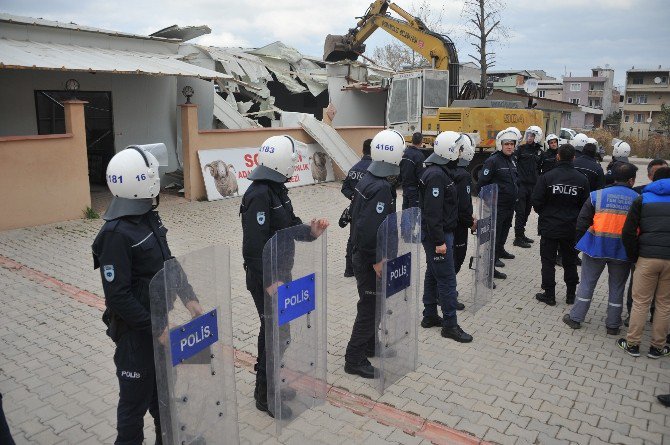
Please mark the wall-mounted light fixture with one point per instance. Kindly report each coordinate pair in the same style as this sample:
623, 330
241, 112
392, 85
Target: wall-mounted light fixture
188, 92
72, 85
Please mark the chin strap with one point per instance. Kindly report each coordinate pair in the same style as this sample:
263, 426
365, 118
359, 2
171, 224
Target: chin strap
158, 201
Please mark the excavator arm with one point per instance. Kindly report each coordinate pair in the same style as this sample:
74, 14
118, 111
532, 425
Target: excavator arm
438, 49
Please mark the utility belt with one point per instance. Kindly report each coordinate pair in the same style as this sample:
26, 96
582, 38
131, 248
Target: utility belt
116, 327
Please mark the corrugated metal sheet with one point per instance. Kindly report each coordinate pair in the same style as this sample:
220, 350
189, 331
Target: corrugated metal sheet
57, 56
230, 116
331, 141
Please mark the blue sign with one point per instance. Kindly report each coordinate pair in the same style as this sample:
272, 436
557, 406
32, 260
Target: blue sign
296, 298
398, 274
194, 336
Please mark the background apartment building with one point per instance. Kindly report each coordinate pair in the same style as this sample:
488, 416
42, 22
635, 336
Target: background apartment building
595, 95
646, 90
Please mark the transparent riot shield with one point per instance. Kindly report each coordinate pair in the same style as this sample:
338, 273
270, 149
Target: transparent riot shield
485, 248
294, 278
398, 246
193, 353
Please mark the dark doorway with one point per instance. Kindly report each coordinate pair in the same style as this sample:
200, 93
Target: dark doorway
99, 125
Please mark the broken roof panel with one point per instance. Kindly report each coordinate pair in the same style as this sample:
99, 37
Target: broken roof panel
278, 50
184, 33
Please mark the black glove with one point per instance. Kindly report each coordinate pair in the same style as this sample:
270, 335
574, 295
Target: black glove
345, 218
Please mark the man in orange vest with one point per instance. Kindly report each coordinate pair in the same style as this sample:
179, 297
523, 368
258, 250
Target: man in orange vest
599, 228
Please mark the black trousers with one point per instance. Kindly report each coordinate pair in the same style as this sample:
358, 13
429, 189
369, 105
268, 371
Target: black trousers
363, 333
254, 278
460, 247
348, 264
134, 360
503, 224
5, 435
522, 209
548, 248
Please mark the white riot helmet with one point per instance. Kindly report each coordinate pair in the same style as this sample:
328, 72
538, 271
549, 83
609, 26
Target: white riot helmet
550, 137
386, 151
133, 174
620, 149
536, 132
467, 151
447, 146
508, 135
276, 159
579, 141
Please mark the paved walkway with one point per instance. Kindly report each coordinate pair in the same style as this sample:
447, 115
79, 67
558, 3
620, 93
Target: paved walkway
527, 378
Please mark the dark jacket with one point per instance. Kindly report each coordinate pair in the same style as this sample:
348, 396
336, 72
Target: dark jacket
439, 204
129, 251
528, 158
646, 232
463, 180
558, 197
593, 171
355, 174
500, 169
373, 201
548, 160
609, 171
411, 168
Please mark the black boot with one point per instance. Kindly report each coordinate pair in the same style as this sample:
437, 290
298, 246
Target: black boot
456, 333
261, 396
519, 242
363, 369
570, 294
429, 322
499, 275
499, 263
546, 297
505, 255
526, 239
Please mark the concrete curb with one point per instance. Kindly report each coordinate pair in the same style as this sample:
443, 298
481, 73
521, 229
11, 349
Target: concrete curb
410, 423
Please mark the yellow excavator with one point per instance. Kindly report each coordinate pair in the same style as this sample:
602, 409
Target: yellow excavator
429, 99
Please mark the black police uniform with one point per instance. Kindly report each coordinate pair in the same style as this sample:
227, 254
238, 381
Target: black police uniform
129, 251
592, 169
501, 169
463, 181
528, 159
548, 160
373, 201
557, 198
411, 168
439, 218
265, 209
609, 171
348, 189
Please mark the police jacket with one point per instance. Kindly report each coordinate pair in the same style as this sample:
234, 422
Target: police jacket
558, 197
411, 168
646, 232
548, 160
609, 172
500, 169
373, 201
129, 251
463, 180
355, 174
439, 204
528, 159
590, 168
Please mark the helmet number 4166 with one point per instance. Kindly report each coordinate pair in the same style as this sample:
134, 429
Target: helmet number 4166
384, 147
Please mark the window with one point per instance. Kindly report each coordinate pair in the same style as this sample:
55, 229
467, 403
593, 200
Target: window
629, 100
626, 118
664, 79
642, 99
638, 118
574, 101
637, 80
597, 86
541, 94
575, 87
595, 103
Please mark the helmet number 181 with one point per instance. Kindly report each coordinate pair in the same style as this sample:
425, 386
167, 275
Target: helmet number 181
114, 179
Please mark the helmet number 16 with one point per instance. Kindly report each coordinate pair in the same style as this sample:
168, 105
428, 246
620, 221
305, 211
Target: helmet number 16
141, 177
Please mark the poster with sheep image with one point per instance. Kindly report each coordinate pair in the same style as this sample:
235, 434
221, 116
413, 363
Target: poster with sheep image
225, 170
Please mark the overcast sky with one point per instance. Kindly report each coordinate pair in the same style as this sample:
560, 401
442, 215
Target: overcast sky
559, 36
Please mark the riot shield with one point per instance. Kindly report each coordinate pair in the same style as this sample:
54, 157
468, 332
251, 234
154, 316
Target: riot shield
398, 246
294, 279
193, 353
485, 248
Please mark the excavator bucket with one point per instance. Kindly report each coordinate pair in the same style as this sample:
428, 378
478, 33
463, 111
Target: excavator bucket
339, 48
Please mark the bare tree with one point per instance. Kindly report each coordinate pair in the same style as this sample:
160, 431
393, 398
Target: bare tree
397, 55
485, 15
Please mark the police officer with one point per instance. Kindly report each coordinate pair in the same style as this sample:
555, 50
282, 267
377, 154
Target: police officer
411, 168
620, 153
458, 170
557, 198
500, 168
549, 158
130, 249
528, 158
348, 189
266, 208
374, 200
439, 219
586, 164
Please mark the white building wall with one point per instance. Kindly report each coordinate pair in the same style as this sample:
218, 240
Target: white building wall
354, 108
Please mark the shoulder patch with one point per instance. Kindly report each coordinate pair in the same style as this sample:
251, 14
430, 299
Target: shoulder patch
486, 171
467, 188
108, 272
260, 218
436, 192
380, 207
